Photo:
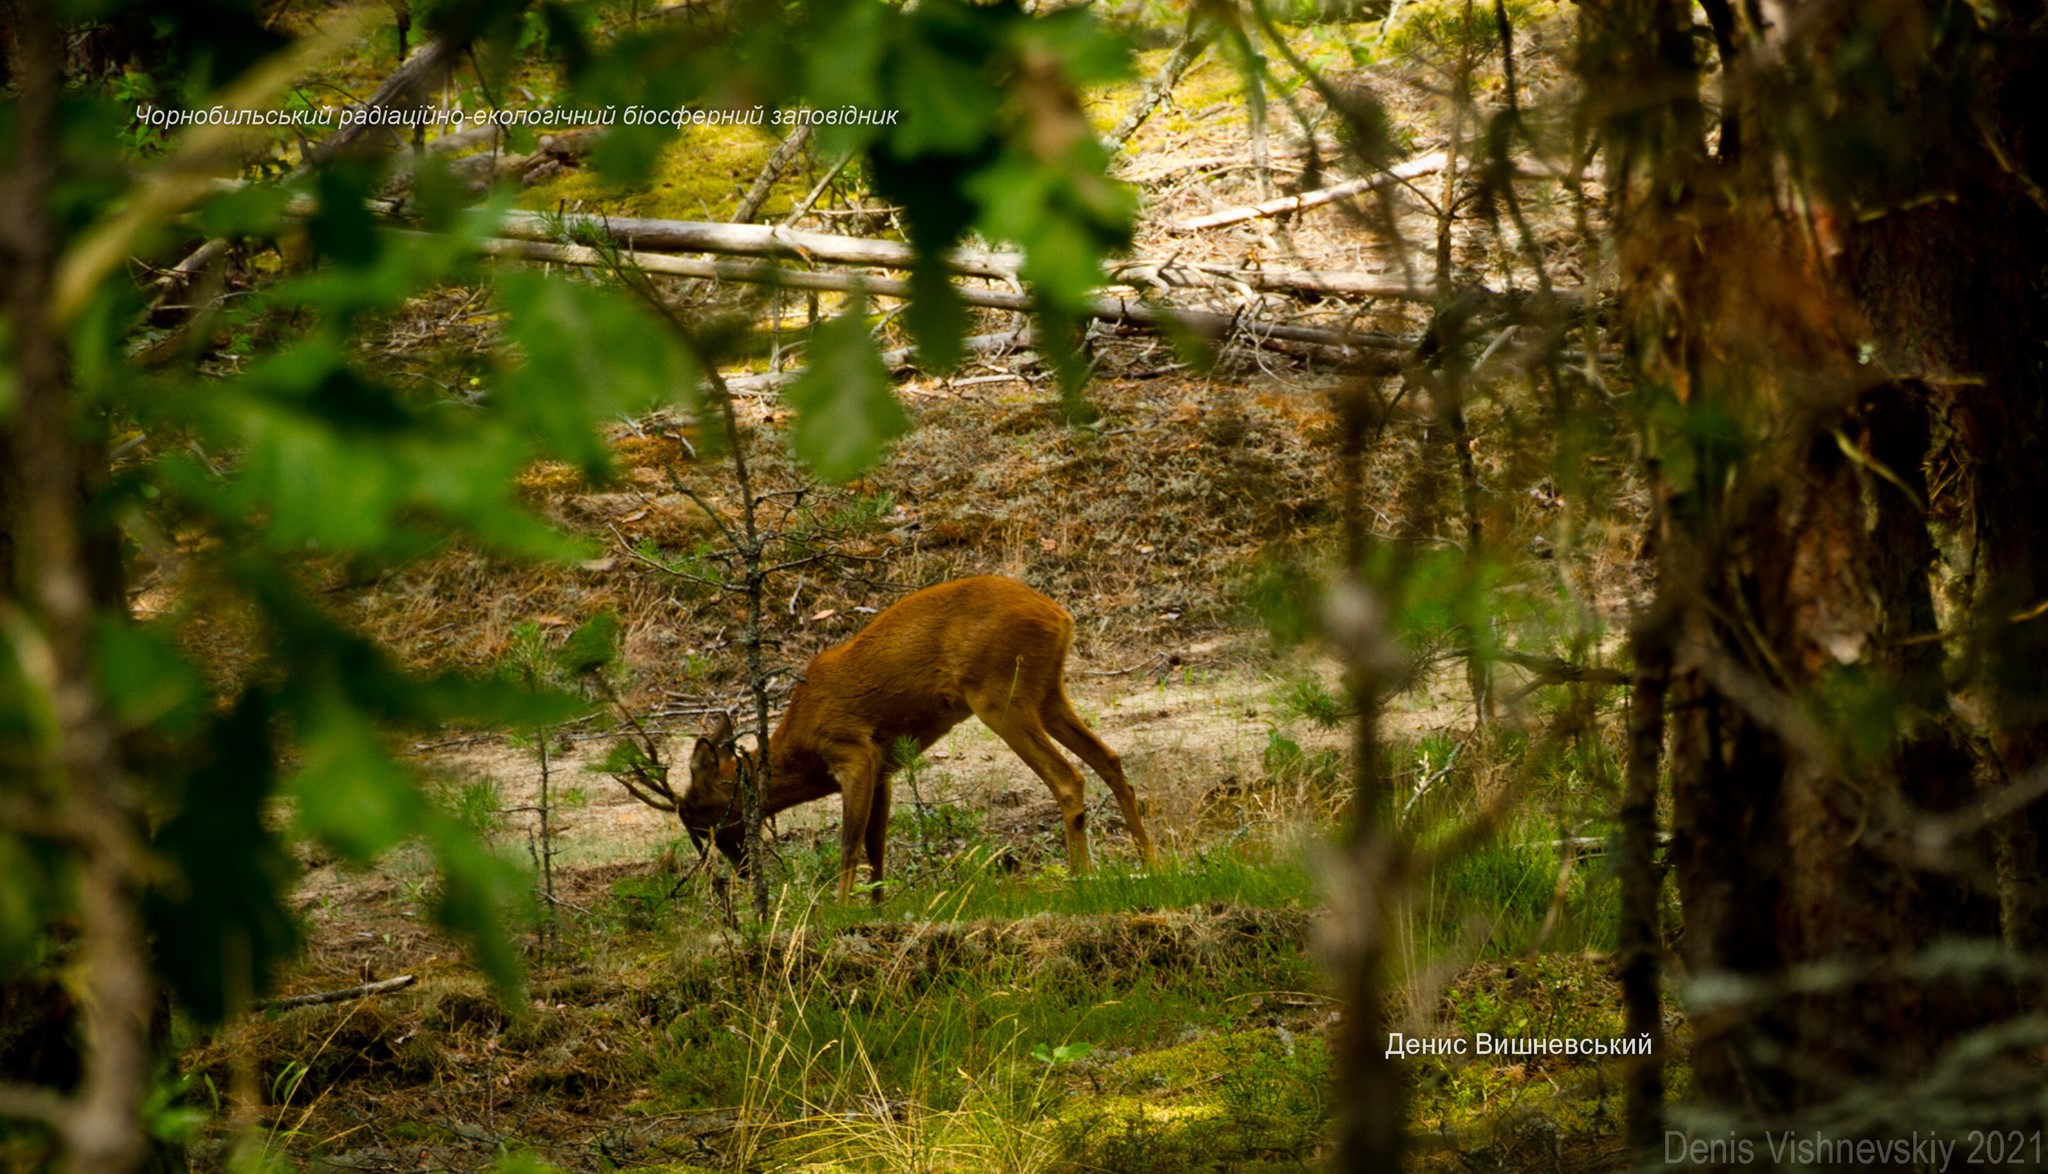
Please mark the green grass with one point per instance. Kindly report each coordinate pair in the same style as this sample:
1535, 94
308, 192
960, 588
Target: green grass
1104, 1041
990, 1007
991, 1013
925, 1044
981, 890
1507, 892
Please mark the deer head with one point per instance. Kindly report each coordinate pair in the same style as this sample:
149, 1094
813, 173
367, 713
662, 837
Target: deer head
710, 806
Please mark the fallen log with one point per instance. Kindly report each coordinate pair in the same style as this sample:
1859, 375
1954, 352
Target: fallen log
652, 236
424, 63
1329, 283
1192, 45
1336, 283
1114, 311
897, 361
698, 236
1428, 164
779, 160
643, 237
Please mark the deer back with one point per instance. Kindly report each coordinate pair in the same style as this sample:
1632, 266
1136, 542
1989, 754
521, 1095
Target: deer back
911, 672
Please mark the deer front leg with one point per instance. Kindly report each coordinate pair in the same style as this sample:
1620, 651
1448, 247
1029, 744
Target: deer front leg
878, 835
857, 768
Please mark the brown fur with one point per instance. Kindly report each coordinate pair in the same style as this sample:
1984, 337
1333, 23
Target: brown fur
985, 646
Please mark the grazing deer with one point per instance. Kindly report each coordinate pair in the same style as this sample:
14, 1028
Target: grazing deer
987, 646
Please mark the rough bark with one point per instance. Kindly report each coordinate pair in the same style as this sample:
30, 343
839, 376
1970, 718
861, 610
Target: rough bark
1812, 732
60, 572
1916, 277
1640, 934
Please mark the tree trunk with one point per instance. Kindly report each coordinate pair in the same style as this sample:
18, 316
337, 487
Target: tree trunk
1968, 329
63, 571
1812, 731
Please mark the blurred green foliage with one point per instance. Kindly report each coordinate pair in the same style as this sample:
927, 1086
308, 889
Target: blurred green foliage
278, 456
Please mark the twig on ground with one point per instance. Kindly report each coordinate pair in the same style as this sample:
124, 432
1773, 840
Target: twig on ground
363, 990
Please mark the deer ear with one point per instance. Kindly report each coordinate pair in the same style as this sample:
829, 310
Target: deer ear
705, 755
718, 731
703, 759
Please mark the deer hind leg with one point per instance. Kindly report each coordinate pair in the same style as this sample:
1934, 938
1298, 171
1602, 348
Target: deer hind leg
857, 768
1067, 727
1017, 723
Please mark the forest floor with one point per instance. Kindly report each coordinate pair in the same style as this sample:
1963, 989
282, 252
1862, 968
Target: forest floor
992, 1012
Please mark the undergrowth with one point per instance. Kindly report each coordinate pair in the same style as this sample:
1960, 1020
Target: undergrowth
990, 1013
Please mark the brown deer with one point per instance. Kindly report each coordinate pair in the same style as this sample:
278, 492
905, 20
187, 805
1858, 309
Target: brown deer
986, 646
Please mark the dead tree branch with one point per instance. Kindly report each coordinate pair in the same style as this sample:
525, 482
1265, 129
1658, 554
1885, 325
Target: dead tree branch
695, 236
1191, 47
1426, 165
426, 62
1113, 311
779, 160
361, 991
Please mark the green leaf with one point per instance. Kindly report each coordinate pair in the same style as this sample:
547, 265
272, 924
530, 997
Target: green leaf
351, 795
846, 413
218, 918
144, 678
932, 190
1090, 53
254, 210
591, 646
948, 104
481, 896
852, 73
343, 229
590, 353
34, 889
360, 803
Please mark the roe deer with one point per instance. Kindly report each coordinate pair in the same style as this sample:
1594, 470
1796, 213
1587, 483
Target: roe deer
987, 646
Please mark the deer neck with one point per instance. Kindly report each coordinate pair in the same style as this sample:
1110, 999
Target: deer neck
794, 778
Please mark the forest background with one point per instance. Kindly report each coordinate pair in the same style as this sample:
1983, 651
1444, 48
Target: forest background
1550, 497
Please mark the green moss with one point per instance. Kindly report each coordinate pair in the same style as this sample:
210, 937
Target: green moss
1256, 1099
1424, 24
702, 175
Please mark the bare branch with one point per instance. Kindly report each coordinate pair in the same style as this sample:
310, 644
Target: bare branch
1428, 164
778, 161
803, 206
1937, 833
29, 1102
666, 803
363, 990
1191, 46
664, 568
